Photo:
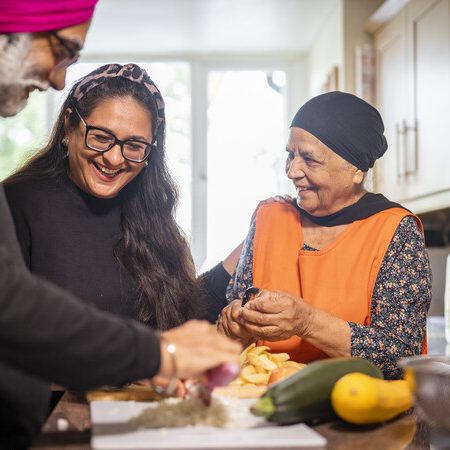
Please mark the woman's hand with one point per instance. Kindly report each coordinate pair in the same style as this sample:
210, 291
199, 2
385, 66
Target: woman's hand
276, 315
229, 325
199, 347
275, 199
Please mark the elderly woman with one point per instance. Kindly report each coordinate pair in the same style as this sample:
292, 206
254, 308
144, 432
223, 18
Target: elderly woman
341, 272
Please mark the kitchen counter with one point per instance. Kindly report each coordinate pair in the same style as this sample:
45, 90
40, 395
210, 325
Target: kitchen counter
68, 427
405, 432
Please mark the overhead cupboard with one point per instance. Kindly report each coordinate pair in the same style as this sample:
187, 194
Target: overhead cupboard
413, 96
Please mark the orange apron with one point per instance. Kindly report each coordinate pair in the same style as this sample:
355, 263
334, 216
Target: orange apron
338, 279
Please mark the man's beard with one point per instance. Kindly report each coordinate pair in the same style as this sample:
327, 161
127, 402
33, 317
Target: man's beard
17, 77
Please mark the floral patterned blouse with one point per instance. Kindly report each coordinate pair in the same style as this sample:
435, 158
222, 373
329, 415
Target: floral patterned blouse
400, 299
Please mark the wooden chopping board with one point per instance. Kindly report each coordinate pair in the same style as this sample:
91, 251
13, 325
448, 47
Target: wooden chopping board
146, 394
244, 391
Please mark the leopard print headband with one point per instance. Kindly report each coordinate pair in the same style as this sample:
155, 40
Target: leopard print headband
131, 72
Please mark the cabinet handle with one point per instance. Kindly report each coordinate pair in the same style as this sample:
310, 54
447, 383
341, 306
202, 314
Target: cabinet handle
399, 148
413, 131
410, 137
405, 147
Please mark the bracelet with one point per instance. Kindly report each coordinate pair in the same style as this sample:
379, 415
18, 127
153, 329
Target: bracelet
171, 350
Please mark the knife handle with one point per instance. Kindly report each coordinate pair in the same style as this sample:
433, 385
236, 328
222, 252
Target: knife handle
252, 290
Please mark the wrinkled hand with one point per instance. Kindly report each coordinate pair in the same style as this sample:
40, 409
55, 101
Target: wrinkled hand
199, 347
275, 199
276, 315
229, 325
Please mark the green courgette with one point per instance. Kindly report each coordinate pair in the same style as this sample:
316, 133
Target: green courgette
305, 396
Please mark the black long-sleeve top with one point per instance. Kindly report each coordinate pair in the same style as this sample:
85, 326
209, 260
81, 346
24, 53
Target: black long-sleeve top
47, 335
69, 238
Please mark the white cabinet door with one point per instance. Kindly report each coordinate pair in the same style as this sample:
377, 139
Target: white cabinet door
428, 143
391, 52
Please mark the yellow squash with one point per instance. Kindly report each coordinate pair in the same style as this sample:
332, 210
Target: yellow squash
360, 399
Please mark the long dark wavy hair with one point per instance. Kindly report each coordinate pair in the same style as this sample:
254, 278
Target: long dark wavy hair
152, 247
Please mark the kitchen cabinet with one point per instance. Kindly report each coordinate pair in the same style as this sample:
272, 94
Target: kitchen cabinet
390, 44
413, 86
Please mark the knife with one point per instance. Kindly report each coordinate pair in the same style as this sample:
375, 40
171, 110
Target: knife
249, 292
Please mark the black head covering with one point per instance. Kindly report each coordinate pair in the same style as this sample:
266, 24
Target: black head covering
347, 125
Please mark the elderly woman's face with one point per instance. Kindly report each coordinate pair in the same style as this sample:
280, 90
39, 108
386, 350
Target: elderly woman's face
325, 182
104, 175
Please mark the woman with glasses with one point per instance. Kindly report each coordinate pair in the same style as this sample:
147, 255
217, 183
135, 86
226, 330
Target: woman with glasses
94, 209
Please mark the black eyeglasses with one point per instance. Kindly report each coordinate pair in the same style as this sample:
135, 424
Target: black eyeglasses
70, 54
100, 140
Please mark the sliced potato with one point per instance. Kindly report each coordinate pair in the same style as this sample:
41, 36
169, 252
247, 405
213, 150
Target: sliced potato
262, 361
243, 356
257, 365
278, 358
257, 378
293, 364
237, 382
260, 369
259, 349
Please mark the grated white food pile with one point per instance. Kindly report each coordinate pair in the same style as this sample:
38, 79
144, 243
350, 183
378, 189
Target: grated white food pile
190, 412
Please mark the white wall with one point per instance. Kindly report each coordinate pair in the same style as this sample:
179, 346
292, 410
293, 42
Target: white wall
335, 44
298, 86
196, 27
327, 50
355, 16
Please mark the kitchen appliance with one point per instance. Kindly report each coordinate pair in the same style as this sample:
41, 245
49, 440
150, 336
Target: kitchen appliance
429, 377
438, 259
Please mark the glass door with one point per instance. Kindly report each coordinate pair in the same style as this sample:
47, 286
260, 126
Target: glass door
246, 133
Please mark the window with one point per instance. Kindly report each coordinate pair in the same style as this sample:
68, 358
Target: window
225, 137
22, 134
245, 142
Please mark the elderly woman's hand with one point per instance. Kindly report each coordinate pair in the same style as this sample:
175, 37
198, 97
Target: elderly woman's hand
228, 323
286, 198
276, 315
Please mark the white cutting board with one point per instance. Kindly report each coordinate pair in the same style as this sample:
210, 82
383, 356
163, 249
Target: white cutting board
111, 431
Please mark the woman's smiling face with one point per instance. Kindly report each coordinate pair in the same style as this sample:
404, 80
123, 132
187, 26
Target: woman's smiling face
104, 175
325, 182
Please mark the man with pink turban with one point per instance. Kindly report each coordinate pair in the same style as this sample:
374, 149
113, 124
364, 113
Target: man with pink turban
39, 39
47, 335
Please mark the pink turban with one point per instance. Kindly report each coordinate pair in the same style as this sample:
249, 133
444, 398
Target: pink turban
28, 16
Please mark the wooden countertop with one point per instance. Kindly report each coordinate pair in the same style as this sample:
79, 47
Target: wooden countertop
405, 432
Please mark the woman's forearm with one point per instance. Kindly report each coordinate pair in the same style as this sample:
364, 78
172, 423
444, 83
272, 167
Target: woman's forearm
230, 262
326, 332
